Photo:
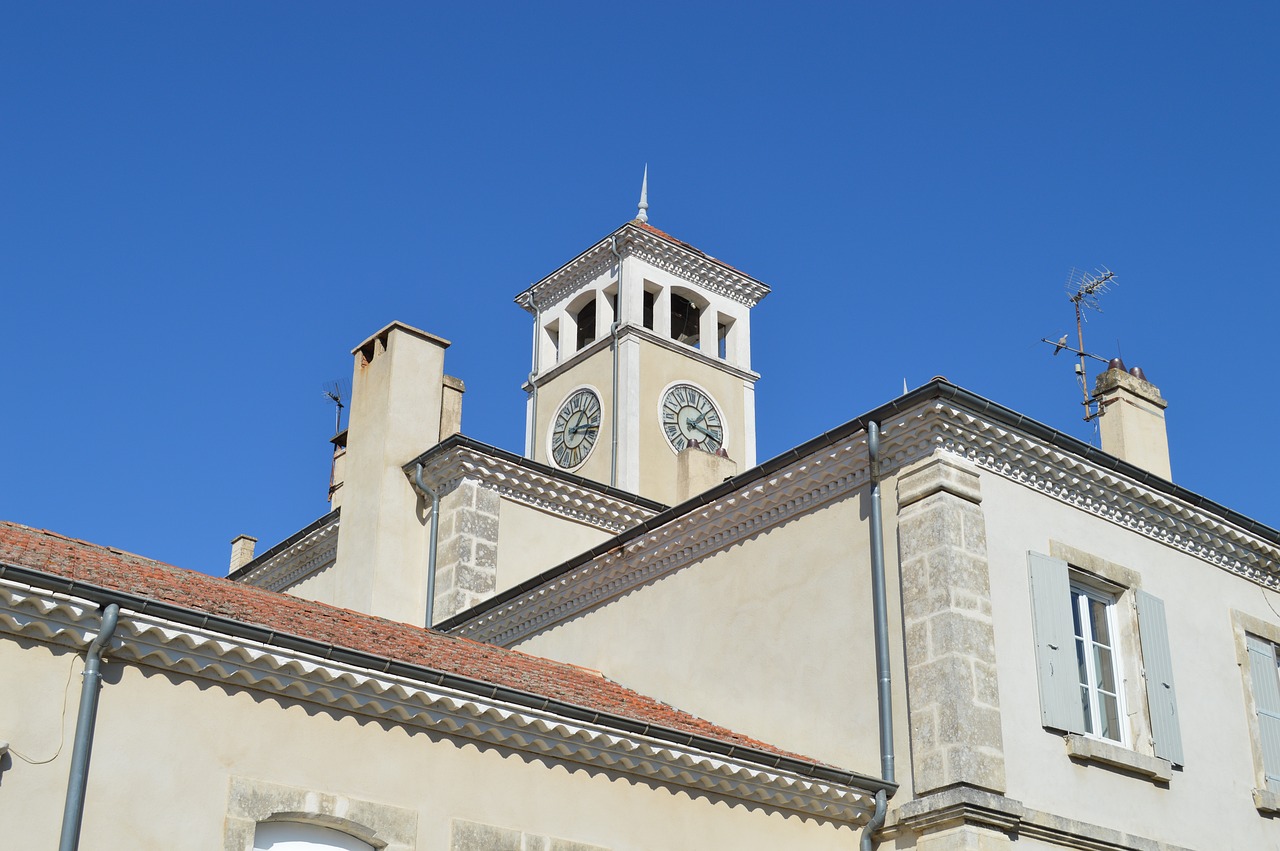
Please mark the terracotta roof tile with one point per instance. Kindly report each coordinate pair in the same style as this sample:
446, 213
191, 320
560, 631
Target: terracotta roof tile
113, 569
669, 238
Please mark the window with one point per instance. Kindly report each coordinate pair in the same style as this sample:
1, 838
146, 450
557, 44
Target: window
650, 298
686, 320
1096, 660
1081, 614
553, 341
586, 322
1264, 676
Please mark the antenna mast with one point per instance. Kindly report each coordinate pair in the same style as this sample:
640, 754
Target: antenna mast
334, 390
1083, 290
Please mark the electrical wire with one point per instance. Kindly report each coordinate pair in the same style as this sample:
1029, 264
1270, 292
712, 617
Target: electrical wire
66, 689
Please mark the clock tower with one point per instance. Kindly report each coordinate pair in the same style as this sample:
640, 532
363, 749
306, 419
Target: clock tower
641, 349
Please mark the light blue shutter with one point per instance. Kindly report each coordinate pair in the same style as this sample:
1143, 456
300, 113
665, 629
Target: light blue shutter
1060, 705
1158, 664
1266, 698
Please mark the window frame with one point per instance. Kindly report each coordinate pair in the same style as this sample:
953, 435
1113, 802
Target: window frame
1152, 744
1266, 790
1082, 592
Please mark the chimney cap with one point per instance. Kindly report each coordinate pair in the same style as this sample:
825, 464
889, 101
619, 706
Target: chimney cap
1137, 373
1116, 363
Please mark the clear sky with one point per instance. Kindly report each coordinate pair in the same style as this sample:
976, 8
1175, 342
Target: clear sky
204, 207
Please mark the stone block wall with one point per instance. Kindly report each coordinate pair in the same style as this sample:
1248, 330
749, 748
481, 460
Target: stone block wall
473, 836
950, 652
467, 549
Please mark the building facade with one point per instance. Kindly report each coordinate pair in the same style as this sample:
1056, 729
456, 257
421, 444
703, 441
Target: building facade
941, 625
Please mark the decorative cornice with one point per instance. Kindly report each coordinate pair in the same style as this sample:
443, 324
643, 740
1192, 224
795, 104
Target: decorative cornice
627, 332
188, 651
1070, 479
312, 552
833, 470
575, 500
632, 240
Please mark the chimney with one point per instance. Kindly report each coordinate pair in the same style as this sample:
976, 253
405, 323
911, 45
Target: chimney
451, 406
337, 470
398, 399
1131, 418
241, 551
698, 470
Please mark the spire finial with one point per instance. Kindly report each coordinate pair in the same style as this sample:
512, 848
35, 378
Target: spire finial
643, 209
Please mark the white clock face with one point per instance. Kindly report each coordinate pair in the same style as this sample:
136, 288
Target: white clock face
575, 428
688, 414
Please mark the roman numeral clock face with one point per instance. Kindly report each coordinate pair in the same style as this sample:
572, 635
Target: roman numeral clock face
575, 428
688, 414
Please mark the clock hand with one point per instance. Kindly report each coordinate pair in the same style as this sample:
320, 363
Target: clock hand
704, 431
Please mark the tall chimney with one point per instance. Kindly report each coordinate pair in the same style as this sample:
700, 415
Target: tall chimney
1131, 418
398, 391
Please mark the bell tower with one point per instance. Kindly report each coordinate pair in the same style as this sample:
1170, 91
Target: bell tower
641, 350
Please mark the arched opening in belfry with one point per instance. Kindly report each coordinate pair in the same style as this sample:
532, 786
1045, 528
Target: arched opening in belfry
686, 319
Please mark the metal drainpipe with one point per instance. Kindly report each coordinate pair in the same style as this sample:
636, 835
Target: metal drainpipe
613, 332
884, 691
537, 351
431, 544
867, 840
73, 812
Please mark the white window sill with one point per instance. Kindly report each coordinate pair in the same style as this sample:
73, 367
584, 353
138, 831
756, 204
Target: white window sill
1267, 801
1095, 750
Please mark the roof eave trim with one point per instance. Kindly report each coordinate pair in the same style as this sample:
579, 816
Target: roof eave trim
141, 605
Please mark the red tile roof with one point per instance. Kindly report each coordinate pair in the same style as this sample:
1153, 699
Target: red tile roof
115, 570
669, 238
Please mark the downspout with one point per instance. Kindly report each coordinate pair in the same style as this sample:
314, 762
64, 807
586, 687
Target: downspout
613, 396
73, 812
431, 544
537, 352
884, 691
867, 840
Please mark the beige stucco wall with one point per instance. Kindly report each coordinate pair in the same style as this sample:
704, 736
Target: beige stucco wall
531, 541
319, 585
772, 637
168, 747
1206, 805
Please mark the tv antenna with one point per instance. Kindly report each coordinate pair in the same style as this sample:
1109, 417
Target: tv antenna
1084, 290
336, 391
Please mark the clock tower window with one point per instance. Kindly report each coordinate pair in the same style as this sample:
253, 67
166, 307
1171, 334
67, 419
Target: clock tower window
551, 343
586, 324
650, 298
686, 320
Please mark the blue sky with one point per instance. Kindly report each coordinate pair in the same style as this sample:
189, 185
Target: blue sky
204, 207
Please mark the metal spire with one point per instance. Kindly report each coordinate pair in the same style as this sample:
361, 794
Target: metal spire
643, 209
